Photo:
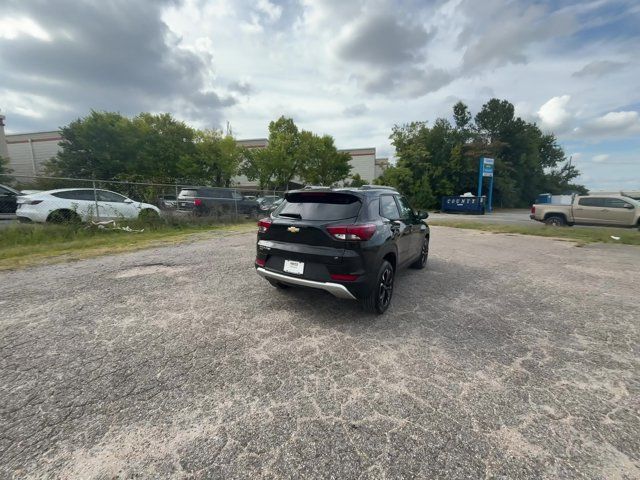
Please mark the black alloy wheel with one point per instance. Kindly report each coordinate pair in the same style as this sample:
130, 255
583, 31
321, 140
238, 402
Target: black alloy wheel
421, 261
385, 288
378, 300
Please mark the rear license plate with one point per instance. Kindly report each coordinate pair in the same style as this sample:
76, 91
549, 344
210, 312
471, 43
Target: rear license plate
291, 266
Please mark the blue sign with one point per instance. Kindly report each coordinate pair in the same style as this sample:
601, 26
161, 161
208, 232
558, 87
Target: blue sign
487, 167
486, 170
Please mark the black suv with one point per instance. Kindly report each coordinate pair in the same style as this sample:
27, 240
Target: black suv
347, 241
204, 201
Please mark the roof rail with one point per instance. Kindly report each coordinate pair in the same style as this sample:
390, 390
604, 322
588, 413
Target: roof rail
378, 187
315, 187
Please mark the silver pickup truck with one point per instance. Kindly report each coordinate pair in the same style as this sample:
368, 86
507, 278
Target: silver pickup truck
604, 210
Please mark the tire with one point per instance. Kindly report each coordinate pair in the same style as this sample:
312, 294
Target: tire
279, 285
379, 299
148, 214
555, 221
421, 262
63, 216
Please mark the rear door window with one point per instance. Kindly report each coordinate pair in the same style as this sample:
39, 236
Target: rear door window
617, 203
591, 202
106, 196
406, 212
327, 206
388, 208
87, 195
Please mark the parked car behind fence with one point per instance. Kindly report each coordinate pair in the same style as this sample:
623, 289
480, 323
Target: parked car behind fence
80, 204
210, 204
8, 200
216, 202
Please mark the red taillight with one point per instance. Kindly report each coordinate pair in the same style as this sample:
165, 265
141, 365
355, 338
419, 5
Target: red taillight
261, 262
343, 277
352, 232
197, 202
533, 209
263, 225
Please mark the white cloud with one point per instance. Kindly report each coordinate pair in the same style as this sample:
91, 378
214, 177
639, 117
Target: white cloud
498, 33
11, 28
554, 114
598, 68
603, 157
271, 10
612, 125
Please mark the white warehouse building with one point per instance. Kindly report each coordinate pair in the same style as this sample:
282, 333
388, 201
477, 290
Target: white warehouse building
28, 152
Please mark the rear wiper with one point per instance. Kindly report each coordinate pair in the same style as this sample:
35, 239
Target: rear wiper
292, 215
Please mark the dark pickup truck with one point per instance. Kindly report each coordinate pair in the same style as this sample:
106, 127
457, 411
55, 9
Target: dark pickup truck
211, 201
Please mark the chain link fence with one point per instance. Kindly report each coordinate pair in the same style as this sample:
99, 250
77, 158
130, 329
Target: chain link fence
46, 199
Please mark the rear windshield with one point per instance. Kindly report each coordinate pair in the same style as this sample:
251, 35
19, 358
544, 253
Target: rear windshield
319, 206
188, 193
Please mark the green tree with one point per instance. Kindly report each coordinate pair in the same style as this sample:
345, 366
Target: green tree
164, 141
400, 178
444, 159
216, 159
258, 166
294, 153
101, 145
107, 145
356, 181
283, 151
320, 161
461, 115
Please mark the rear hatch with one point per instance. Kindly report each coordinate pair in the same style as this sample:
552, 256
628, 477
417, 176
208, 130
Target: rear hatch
304, 216
186, 198
298, 230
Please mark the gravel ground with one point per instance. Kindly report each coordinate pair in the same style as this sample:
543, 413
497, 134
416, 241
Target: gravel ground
509, 357
503, 217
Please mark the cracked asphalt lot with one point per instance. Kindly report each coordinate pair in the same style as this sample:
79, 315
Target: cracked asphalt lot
509, 357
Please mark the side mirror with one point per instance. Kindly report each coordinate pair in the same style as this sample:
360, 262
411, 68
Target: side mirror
423, 215
629, 206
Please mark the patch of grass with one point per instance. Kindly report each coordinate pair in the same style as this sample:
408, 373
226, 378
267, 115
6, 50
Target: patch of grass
581, 235
26, 245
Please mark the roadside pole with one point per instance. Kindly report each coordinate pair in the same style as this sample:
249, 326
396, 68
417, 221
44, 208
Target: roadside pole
480, 176
235, 200
95, 199
490, 197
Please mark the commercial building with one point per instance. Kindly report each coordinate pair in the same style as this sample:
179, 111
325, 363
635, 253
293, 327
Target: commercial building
28, 152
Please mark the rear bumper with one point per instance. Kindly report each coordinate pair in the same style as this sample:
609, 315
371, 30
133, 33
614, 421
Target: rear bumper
29, 213
334, 289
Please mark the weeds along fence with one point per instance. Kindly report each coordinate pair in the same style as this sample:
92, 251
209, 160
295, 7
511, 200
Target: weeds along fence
43, 199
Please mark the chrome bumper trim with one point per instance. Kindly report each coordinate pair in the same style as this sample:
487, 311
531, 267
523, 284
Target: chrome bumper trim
334, 289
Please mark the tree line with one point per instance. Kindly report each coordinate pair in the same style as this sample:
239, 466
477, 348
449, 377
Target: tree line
443, 159
160, 149
432, 160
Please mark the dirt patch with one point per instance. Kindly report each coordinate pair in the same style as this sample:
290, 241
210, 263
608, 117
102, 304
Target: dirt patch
151, 269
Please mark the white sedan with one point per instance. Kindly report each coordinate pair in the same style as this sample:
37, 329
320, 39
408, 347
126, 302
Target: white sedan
80, 204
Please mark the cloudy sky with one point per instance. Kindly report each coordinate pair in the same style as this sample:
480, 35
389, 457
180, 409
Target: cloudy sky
350, 68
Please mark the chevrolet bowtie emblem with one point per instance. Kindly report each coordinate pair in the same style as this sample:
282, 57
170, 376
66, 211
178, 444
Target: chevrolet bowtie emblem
293, 229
